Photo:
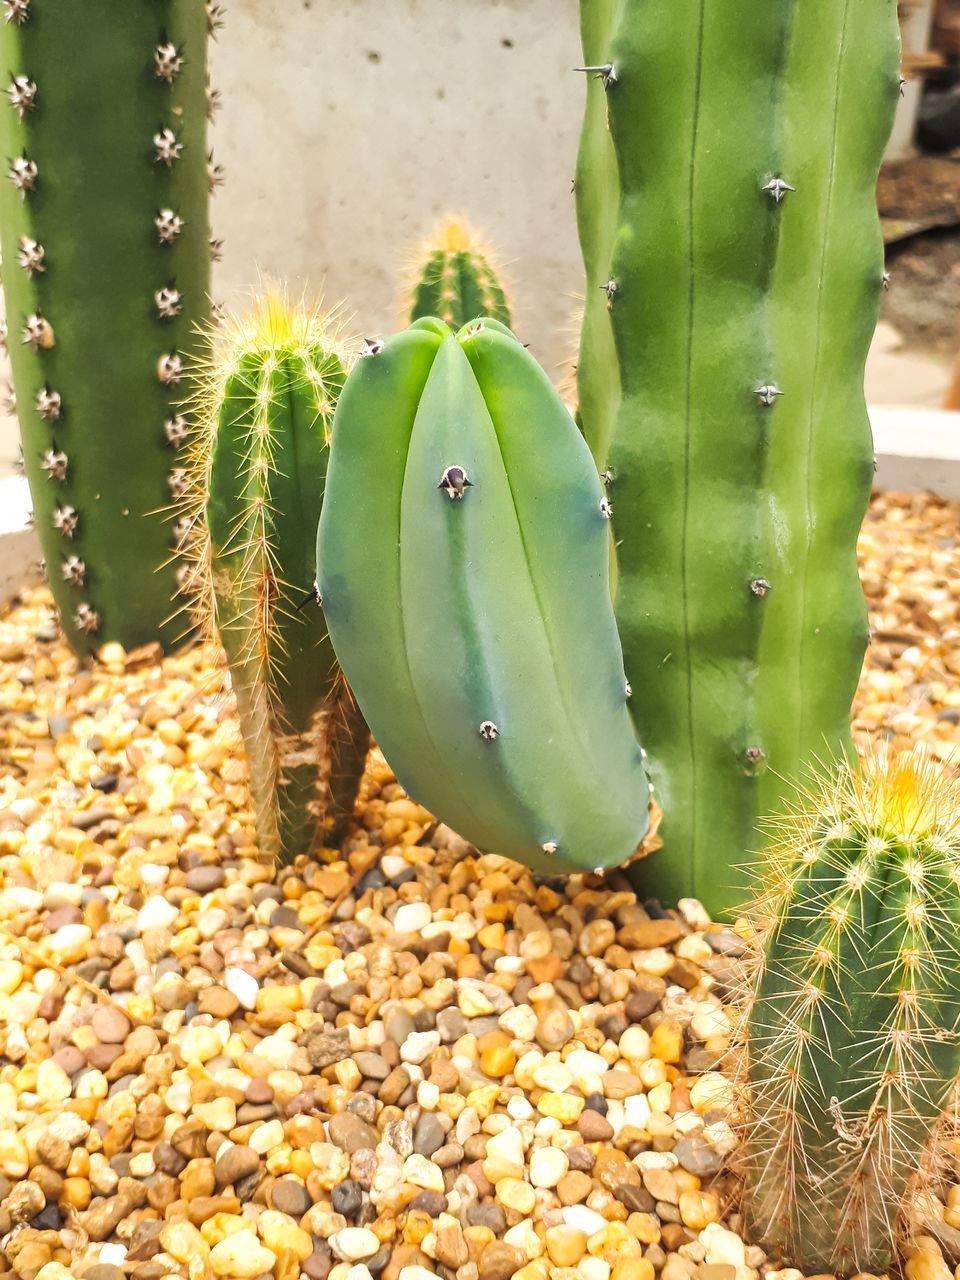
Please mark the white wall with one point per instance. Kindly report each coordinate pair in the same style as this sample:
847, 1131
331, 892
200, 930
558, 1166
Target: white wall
349, 127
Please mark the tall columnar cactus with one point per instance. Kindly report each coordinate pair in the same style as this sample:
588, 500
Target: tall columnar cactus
734, 266
853, 1035
103, 224
454, 279
470, 606
257, 475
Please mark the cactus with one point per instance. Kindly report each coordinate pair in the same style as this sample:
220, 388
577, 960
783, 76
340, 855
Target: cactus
258, 470
454, 279
853, 1033
734, 266
103, 223
470, 605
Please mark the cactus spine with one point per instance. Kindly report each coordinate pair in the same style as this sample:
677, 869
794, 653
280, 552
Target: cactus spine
470, 607
259, 470
103, 223
455, 280
853, 1033
726, 211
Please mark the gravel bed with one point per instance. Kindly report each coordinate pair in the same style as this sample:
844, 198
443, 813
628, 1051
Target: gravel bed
400, 1060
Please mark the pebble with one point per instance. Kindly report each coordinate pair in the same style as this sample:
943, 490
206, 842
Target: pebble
241, 1256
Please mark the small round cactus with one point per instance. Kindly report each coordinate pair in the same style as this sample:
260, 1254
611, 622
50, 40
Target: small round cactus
453, 278
853, 1034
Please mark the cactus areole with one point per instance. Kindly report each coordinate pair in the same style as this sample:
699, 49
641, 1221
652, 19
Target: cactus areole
456, 280
853, 1034
470, 606
725, 201
103, 223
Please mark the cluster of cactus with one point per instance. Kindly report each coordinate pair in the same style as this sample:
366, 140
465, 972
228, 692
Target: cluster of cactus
470, 606
103, 224
854, 1035
257, 472
454, 278
725, 200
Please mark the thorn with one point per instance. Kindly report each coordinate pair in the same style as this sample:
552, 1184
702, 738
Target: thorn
168, 60
23, 174
182, 531
17, 11
170, 369
74, 571
185, 577
214, 173
47, 404
607, 477
214, 18
215, 250
902, 85
169, 302
30, 256
610, 288
55, 464
760, 586
767, 393
167, 147
488, 731
754, 753
22, 93
168, 225
605, 508
627, 688
371, 347
874, 464
214, 102
65, 521
86, 618
454, 481
38, 332
176, 430
312, 595
607, 73
778, 188
178, 480
885, 279
474, 330
573, 185
549, 846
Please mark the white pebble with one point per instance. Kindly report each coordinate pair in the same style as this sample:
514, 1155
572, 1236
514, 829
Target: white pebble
393, 864
354, 1243
419, 1045
153, 874
584, 1219
636, 1111
722, 1246
157, 913
582, 1062
243, 985
428, 1095
412, 917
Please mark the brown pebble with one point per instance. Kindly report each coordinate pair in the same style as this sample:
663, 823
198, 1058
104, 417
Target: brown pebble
204, 1207
235, 1163
103, 1056
109, 1025
593, 1127
645, 935
546, 968
499, 1261
394, 1085
259, 1092
217, 1001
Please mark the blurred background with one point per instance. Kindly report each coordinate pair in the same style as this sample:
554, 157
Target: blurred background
400, 111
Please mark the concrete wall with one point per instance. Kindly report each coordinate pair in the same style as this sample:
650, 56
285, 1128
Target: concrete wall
349, 127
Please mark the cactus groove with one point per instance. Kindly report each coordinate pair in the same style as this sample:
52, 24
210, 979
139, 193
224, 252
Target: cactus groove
470, 607
454, 279
734, 265
103, 223
853, 1034
258, 472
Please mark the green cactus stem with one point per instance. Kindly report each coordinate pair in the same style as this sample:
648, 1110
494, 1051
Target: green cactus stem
853, 1034
470, 604
454, 278
734, 265
103, 225
257, 478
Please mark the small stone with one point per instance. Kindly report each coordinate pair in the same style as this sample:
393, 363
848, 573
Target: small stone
473, 1003
281, 1236
292, 1198
504, 1157
574, 1187
584, 1219
565, 1107
394, 1085
666, 1043
514, 1193
697, 1156
109, 1025
645, 935
428, 1134
412, 917
451, 1248
217, 1001
418, 1046
499, 1261
353, 1243
554, 1028
596, 937
157, 913
346, 1198
234, 1163
547, 1166
241, 1256
422, 1172
183, 1241
566, 1245
350, 1133
722, 1246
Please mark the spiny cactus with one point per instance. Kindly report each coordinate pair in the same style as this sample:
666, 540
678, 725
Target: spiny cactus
853, 1035
257, 475
453, 278
103, 223
725, 200
470, 605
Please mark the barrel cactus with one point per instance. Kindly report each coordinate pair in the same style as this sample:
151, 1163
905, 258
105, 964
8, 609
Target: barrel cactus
470, 604
103, 226
725, 200
853, 1034
454, 278
258, 470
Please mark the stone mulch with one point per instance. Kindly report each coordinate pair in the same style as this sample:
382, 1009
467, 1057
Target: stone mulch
407, 1061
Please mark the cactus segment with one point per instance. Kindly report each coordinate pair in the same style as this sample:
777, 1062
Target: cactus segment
854, 1030
454, 279
259, 471
727, 218
470, 606
97, 297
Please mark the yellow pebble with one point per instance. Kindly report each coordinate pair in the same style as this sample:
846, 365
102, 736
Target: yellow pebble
564, 1107
492, 936
483, 1100
666, 1043
279, 1231
697, 1208
222, 1225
